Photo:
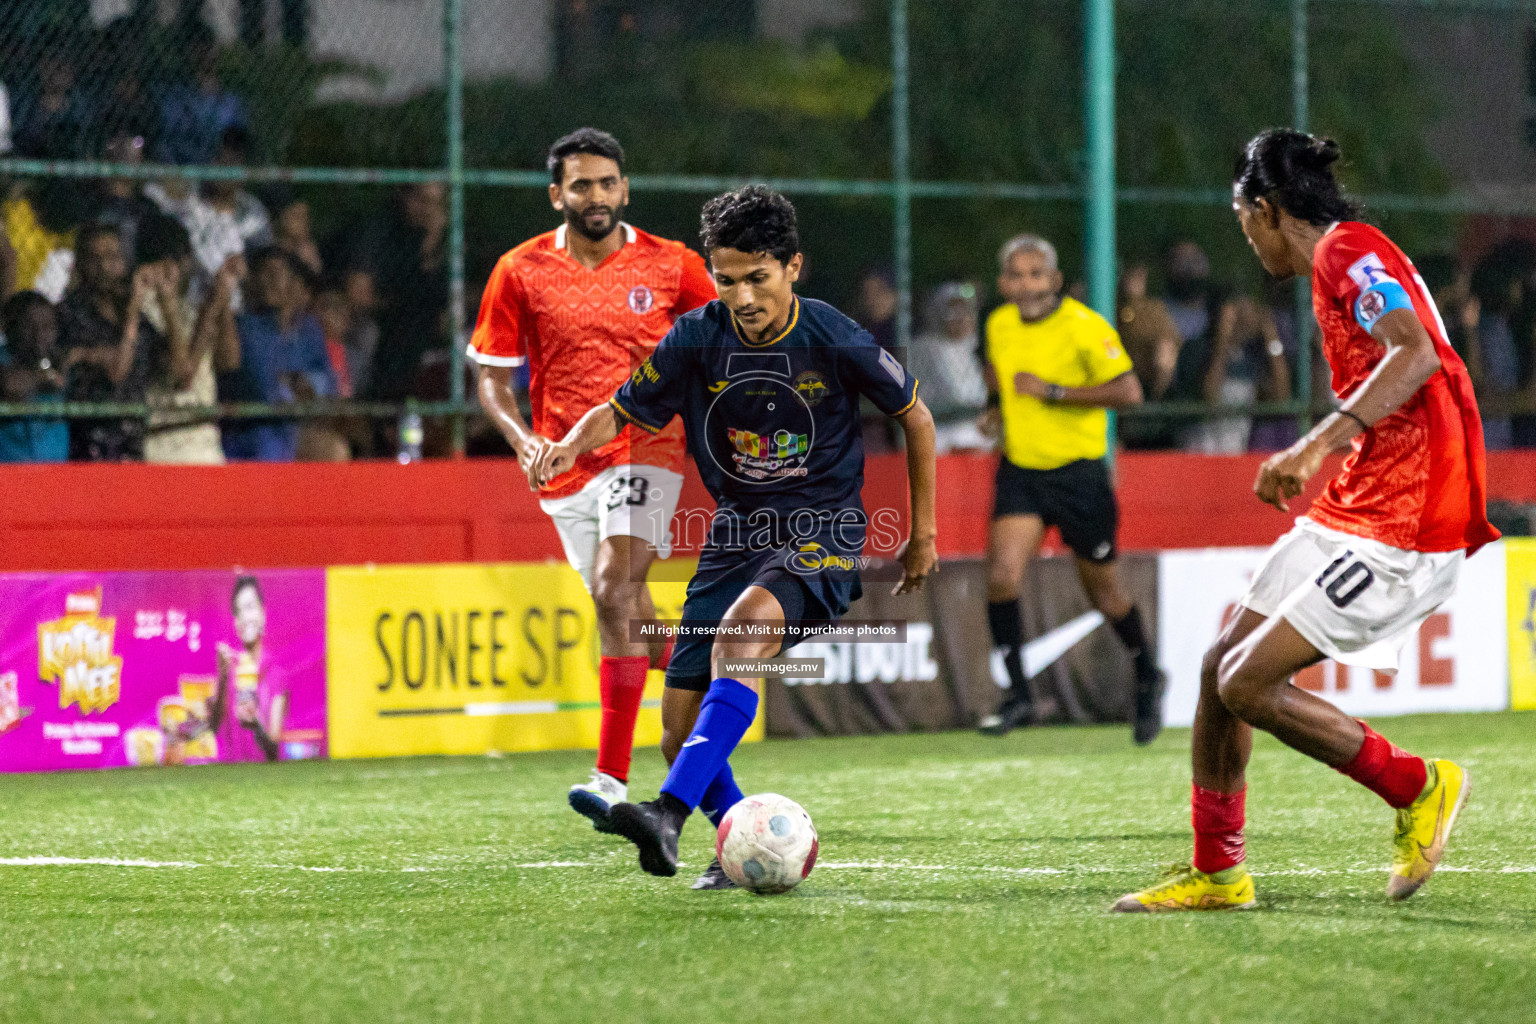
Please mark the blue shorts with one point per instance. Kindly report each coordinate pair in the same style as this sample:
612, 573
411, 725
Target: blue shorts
814, 587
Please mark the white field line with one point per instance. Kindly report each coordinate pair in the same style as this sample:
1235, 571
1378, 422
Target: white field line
121, 862
851, 865
110, 862
875, 865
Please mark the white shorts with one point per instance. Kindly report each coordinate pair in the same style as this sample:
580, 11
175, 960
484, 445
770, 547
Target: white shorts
621, 501
1356, 600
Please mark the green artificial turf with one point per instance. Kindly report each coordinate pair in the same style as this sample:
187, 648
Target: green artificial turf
961, 879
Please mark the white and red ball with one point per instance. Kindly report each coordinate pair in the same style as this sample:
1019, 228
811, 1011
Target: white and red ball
766, 844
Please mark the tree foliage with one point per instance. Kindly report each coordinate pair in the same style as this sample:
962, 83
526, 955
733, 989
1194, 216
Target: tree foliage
997, 89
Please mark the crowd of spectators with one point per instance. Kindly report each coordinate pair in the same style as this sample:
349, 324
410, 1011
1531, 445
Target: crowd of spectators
1490, 313
179, 296
1200, 343
182, 296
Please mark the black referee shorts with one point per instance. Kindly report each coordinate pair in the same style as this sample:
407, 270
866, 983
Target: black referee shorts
1075, 498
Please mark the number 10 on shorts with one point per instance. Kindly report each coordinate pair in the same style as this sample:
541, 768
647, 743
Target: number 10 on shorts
1347, 583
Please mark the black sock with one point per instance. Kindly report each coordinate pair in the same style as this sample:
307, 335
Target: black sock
1004, 624
674, 809
1008, 634
1130, 632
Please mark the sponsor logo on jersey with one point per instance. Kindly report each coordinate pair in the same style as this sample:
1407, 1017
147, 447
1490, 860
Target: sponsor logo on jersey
641, 299
812, 387
781, 445
1368, 271
891, 366
645, 372
719, 386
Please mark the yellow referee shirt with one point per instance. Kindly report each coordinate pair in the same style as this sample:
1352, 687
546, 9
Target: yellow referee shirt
1073, 347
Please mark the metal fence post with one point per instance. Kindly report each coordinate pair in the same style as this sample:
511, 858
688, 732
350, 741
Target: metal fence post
453, 69
901, 172
1099, 99
1301, 388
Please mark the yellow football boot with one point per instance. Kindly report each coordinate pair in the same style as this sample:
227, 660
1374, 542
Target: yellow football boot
1184, 888
1423, 827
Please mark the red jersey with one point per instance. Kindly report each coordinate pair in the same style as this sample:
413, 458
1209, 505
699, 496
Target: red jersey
584, 331
1416, 480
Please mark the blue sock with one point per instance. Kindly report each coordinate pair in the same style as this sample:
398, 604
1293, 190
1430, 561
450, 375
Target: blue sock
721, 796
727, 711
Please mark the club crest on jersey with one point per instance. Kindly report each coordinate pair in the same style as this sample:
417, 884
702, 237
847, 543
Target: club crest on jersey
812, 387
641, 299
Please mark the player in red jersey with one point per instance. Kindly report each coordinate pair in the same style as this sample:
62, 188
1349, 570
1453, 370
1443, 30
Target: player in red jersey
1379, 550
585, 305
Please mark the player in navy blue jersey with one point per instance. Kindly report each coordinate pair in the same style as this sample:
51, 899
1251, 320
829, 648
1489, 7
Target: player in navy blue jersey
768, 387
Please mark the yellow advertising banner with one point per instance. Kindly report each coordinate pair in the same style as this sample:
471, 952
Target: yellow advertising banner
1520, 567
468, 659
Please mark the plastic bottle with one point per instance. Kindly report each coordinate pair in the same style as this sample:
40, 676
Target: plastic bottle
410, 437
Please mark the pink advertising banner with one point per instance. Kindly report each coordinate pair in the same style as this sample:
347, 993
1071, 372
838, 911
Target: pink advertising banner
104, 670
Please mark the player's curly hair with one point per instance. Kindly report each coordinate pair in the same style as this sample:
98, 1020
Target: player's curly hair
583, 140
752, 219
1294, 171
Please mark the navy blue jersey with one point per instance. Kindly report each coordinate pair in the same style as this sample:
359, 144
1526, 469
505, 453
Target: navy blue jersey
772, 425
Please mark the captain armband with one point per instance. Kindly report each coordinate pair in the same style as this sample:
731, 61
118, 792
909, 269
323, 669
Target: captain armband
1379, 300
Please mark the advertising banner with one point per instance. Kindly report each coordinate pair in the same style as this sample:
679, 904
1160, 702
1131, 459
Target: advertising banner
468, 659
1457, 662
1520, 563
102, 670
944, 676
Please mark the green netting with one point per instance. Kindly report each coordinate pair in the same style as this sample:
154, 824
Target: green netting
347, 99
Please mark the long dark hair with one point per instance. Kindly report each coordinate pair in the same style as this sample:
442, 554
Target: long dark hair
1294, 171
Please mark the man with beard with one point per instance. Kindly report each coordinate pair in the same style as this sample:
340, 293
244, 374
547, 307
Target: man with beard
584, 305
1053, 367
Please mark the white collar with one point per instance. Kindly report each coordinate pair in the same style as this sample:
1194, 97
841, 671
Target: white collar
629, 234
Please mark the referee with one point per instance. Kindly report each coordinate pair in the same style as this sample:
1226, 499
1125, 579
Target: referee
1053, 367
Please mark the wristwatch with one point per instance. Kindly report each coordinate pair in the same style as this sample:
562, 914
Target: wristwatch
1055, 392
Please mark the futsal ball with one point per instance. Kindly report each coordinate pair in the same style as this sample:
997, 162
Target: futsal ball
766, 844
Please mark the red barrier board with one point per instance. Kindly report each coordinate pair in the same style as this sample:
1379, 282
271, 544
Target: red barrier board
104, 517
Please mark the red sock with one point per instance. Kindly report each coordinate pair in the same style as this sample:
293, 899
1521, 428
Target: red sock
1392, 774
621, 681
660, 663
1218, 821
